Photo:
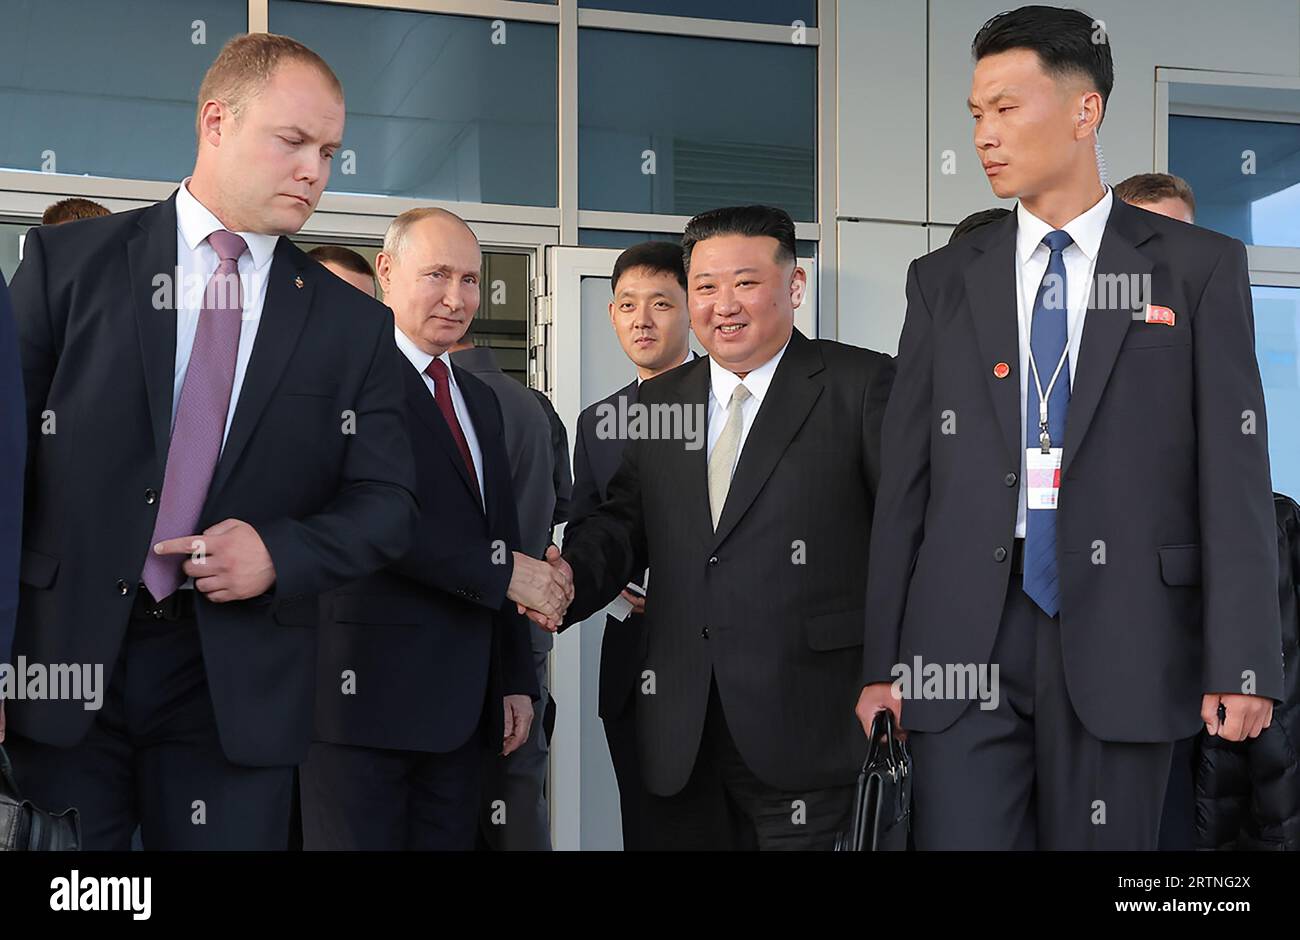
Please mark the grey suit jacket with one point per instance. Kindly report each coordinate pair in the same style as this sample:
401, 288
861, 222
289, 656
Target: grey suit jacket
532, 459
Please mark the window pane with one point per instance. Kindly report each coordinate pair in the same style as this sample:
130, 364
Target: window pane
1253, 196
1277, 340
441, 107
107, 87
11, 234
751, 11
678, 125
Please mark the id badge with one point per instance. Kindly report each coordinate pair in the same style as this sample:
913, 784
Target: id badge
1043, 477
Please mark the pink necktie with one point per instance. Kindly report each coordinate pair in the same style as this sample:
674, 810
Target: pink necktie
200, 420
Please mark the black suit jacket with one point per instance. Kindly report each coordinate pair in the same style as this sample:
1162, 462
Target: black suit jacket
317, 460
595, 460
13, 446
431, 641
1157, 472
770, 603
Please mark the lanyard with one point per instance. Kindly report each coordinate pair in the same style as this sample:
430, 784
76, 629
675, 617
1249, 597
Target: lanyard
1044, 437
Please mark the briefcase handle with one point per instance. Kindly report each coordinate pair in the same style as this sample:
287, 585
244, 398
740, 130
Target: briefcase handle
894, 754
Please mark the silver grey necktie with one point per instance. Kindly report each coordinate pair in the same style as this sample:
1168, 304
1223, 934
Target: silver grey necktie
723, 458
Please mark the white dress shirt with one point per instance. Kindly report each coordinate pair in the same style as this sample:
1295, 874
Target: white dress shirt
421, 359
722, 383
1080, 259
196, 261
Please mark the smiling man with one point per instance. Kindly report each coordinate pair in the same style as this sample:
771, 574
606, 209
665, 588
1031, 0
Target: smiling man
758, 545
427, 663
202, 465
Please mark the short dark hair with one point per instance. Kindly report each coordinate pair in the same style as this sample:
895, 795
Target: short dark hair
977, 220
345, 258
658, 257
751, 221
1153, 187
1064, 40
70, 210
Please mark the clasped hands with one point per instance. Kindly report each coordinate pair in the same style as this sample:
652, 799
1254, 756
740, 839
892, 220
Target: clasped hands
542, 590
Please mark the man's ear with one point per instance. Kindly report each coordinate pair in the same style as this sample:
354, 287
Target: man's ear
213, 117
798, 285
1088, 118
384, 271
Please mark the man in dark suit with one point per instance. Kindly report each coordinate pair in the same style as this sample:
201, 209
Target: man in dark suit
520, 779
13, 448
1091, 351
426, 663
653, 325
196, 383
753, 620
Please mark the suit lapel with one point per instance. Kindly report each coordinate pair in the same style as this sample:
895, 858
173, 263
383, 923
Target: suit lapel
1121, 273
284, 313
152, 252
789, 399
485, 428
426, 409
991, 293
685, 465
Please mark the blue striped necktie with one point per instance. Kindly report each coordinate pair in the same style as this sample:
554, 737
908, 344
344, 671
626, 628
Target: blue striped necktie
1048, 338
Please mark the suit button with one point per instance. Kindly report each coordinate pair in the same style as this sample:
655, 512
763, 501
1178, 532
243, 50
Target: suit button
705, 633
123, 588
999, 554
713, 561
1010, 479
151, 496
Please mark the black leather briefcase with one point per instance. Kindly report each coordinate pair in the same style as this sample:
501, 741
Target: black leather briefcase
24, 827
882, 806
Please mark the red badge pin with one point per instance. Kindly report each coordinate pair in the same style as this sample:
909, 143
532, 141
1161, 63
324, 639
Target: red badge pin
1002, 370
1160, 315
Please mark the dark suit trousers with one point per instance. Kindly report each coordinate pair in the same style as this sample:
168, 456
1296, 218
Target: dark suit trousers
517, 784
152, 758
375, 799
1027, 774
725, 807
620, 735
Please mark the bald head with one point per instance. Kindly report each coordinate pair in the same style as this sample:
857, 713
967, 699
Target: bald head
396, 237
429, 271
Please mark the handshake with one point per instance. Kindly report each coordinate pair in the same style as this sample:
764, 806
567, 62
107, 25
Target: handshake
542, 590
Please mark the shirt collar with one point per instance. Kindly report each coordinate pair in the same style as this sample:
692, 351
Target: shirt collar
418, 357
639, 380
723, 381
1086, 229
196, 223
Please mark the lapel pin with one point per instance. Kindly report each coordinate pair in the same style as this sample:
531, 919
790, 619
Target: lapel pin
298, 282
1002, 370
1157, 314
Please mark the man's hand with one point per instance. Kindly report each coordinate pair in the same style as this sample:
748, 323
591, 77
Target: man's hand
636, 600
2, 721
876, 698
540, 590
228, 562
1245, 716
519, 719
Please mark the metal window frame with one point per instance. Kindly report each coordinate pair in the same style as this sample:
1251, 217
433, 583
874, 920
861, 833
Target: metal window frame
1269, 265
21, 190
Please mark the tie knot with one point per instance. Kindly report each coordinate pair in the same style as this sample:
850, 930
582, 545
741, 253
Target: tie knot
228, 245
739, 394
1058, 240
437, 370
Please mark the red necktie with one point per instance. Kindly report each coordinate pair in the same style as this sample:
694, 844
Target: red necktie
437, 371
